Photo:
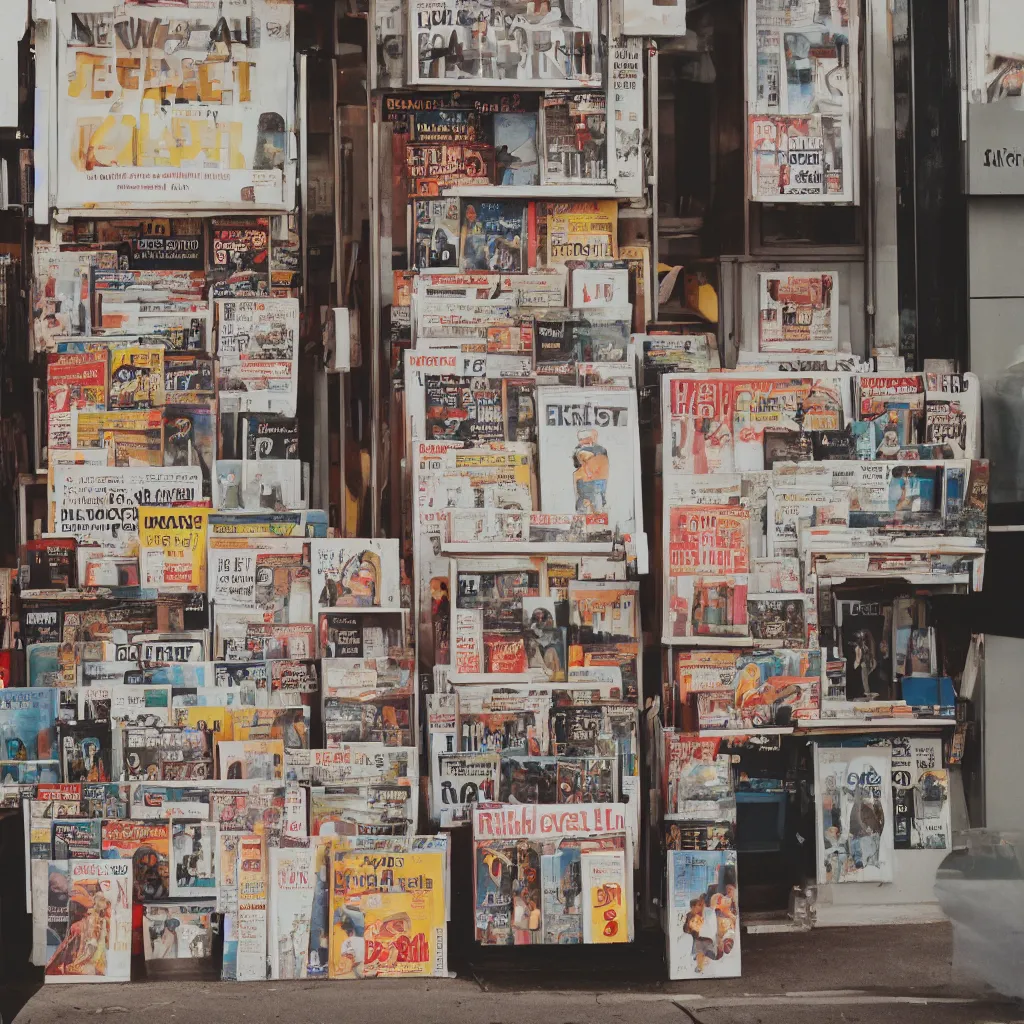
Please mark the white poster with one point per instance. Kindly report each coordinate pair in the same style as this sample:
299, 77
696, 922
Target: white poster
258, 346
165, 105
99, 504
589, 459
854, 813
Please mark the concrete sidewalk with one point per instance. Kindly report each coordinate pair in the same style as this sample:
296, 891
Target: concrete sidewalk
901, 975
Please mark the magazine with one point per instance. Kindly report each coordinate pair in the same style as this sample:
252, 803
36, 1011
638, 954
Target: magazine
258, 344
798, 312
177, 931
589, 438
293, 880
496, 236
575, 130
193, 867
555, 47
96, 900
529, 873
240, 257
703, 915
355, 574
921, 794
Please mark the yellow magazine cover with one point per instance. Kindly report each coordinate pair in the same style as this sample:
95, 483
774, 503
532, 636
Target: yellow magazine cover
387, 915
606, 917
172, 547
583, 230
136, 377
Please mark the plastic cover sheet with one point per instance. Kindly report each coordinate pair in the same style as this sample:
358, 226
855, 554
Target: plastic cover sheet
980, 887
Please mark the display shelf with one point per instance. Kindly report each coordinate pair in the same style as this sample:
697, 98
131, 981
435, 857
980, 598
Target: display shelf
489, 679
524, 548
709, 641
573, 190
914, 579
725, 734
868, 725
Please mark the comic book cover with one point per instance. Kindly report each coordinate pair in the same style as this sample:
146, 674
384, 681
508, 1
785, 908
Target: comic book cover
387, 915
75, 839
588, 437
136, 377
854, 813
240, 257
436, 232
96, 944
463, 409
490, 619
193, 866
355, 574
495, 236
865, 629
798, 312
703, 915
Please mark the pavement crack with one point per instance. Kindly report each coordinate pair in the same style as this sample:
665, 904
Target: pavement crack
689, 1013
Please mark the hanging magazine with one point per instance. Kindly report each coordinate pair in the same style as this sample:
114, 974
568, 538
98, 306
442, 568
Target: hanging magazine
798, 312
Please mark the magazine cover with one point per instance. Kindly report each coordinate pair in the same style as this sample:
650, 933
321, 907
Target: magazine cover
136, 377
177, 931
146, 846
95, 910
251, 917
240, 257
436, 228
258, 344
585, 229
604, 894
387, 915
355, 574
292, 885
193, 867
74, 381
703, 914
798, 312
575, 137
172, 548
453, 40
589, 439
515, 149
854, 813
920, 793
495, 236
28, 723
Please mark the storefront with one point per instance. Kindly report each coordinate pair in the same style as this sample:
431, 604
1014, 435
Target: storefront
515, 473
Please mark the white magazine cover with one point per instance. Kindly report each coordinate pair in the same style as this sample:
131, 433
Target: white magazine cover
258, 350
703, 924
921, 794
292, 884
590, 454
116, 146
854, 813
260, 574
798, 311
606, 917
95, 910
355, 573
